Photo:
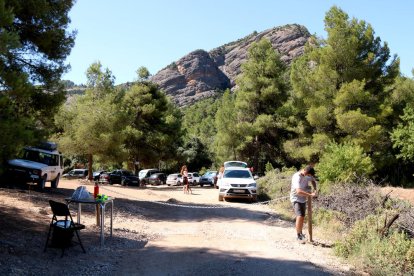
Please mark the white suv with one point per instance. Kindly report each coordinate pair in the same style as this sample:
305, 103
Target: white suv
37, 165
237, 182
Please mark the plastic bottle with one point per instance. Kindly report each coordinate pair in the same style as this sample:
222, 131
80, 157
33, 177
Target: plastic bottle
95, 190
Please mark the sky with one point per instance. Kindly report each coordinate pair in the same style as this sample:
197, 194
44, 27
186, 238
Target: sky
126, 34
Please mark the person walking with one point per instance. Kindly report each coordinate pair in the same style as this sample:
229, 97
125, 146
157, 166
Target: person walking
298, 196
184, 175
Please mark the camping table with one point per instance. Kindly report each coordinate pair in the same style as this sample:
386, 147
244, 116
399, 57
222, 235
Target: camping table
101, 205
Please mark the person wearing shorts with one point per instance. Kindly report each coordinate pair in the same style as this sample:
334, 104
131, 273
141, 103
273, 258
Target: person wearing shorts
184, 174
298, 195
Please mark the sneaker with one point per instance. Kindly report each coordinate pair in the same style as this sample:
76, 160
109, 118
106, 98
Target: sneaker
301, 239
303, 236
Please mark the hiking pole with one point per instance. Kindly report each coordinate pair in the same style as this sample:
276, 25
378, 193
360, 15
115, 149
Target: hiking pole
310, 218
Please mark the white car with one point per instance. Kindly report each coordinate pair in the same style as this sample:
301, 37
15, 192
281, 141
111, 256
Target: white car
37, 165
174, 179
193, 178
237, 182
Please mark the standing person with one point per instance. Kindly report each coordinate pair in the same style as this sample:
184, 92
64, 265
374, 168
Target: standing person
184, 174
298, 197
219, 176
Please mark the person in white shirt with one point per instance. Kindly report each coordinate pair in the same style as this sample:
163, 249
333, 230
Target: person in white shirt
298, 195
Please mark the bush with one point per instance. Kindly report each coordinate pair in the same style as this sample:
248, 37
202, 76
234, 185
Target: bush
275, 183
269, 167
343, 162
390, 255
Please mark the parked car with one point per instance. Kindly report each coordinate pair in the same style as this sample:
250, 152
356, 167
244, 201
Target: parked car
208, 178
97, 175
123, 177
174, 179
76, 174
237, 182
193, 178
145, 174
39, 165
157, 179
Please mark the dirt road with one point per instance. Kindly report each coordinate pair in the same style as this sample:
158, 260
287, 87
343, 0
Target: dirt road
159, 231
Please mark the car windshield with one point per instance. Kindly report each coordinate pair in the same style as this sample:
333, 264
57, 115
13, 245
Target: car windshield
237, 174
207, 174
127, 173
41, 157
142, 174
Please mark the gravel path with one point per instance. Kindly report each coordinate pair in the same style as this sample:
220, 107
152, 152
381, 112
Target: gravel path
159, 231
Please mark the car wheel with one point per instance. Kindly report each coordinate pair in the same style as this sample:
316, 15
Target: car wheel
41, 183
55, 182
254, 199
201, 185
195, 183
221, 198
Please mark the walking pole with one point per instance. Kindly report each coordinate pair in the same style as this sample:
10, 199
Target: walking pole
310, 218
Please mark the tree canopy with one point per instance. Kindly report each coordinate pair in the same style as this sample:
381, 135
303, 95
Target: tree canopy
34, 45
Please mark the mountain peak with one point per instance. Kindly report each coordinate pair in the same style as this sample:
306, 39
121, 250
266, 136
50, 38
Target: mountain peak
200, 74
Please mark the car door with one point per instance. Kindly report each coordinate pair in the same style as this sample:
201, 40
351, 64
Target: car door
116, 177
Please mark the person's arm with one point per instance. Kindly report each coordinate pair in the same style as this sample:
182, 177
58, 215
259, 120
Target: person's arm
301, 192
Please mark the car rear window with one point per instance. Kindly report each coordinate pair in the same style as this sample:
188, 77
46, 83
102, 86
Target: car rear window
235, 164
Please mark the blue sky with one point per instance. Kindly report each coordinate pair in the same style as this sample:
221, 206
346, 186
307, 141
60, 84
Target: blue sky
126, 34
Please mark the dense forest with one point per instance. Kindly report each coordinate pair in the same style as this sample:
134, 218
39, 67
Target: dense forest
342, 105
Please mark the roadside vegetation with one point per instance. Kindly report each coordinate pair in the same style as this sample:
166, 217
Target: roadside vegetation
372, 231
343, 105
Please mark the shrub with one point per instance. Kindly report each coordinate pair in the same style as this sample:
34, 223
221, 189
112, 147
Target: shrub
389, 255
343, 162
275, 183
269, 167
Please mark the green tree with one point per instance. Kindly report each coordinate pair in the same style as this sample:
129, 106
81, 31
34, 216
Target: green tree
194, 154
227, 138
403, 135
199, 122
143, 73
343, 162
152, 124
262, 92
34, 45
90, 125
341, 90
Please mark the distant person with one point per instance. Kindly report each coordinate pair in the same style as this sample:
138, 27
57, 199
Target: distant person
186, 183
219, 176
298, 197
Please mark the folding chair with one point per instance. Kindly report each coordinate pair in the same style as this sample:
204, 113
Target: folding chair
63, 229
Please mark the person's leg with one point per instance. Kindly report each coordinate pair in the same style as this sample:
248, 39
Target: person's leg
299, 224
300, 209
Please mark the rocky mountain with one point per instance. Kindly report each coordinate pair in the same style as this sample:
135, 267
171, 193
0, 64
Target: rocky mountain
200, 74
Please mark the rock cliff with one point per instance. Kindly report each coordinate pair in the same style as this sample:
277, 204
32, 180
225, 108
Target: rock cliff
201, 74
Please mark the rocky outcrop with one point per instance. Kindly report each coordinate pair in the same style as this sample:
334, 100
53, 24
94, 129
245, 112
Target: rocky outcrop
201, 74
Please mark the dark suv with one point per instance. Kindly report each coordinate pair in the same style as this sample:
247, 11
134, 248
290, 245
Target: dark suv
122, 177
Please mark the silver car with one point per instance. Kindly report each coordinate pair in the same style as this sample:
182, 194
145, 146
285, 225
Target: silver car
174, 179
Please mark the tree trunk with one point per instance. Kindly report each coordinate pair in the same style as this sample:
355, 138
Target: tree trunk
90, 163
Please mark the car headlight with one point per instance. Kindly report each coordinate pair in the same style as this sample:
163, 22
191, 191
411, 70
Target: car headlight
252, 185
36, 172
224, 184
